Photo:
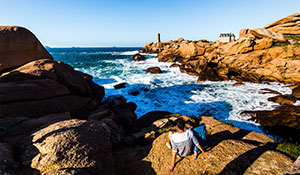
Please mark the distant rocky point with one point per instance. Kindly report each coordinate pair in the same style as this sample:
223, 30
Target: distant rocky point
269, 54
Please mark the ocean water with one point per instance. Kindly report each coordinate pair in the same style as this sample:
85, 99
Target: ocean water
170, 91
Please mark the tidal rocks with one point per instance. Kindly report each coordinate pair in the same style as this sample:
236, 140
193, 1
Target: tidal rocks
19, 46
282, 121
120, 85
53, 86
296, 92
70, 144
283, 99
153, 70
138, 57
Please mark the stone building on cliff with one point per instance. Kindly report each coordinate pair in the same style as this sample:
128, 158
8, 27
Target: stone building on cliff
226, 37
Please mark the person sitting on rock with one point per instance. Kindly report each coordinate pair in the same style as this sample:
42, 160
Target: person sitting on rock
182, 142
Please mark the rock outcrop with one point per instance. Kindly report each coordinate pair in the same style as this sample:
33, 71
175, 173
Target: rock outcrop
44, 87
283, 121
259, 55
234, 151
19, 46
287, 26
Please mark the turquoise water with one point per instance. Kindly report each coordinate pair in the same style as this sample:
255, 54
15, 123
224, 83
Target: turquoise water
171, 91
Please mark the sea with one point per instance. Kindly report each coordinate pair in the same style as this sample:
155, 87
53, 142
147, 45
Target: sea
172, 90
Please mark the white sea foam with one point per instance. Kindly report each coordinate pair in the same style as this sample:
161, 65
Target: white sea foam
135, 52
130, 52
179, 93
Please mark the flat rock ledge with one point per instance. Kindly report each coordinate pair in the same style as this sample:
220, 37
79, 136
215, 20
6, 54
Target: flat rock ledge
234, 151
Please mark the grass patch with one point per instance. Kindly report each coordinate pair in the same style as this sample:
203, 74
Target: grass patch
294, 37
289, 148
163, 130
280, 44
229, 123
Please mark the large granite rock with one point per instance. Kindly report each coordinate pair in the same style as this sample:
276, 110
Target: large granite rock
71, 144
19, 46
44, 87
287, 26
19, 127
265, 33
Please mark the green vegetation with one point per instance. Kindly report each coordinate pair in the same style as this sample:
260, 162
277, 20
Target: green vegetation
294, 37
291, 149
229, 123
280, 44
224, 123
163, 130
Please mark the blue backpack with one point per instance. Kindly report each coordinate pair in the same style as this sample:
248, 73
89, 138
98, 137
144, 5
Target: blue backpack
201, 135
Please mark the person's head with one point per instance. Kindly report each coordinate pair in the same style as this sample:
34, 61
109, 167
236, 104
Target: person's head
180, 124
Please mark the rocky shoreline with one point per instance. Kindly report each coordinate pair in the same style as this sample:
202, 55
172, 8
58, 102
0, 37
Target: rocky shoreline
261, 55
54, 121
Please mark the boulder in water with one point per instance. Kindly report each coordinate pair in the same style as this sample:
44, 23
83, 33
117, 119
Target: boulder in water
120, 85
153, 70
138, 57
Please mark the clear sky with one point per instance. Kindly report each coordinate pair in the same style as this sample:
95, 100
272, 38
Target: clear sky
66, 23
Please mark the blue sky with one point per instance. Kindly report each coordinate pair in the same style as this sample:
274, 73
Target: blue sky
66, 23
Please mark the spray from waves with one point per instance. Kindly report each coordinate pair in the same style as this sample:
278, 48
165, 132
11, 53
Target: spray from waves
176, 92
